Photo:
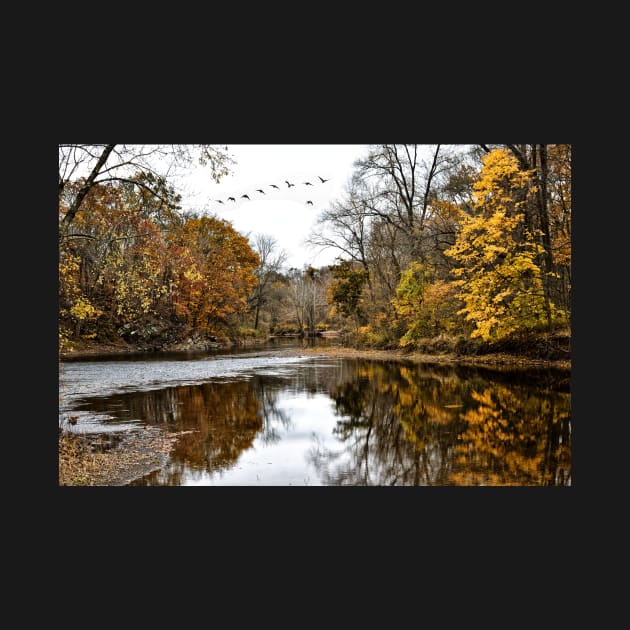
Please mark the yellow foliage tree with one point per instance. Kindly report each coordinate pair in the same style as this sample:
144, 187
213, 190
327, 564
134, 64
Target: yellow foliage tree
423, 304
74, 305
499, 278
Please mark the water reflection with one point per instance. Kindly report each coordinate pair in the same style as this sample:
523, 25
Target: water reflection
413, 425
357, 422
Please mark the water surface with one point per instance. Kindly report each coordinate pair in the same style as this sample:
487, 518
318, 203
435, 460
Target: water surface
274, 417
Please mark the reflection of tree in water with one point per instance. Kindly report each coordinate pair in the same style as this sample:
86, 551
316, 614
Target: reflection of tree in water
268, 389
272, 417
377, 403
414, 425
515, 439
223, 418
302, 381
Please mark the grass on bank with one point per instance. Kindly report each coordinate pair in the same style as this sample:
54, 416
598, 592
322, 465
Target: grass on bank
78, 466
532, 345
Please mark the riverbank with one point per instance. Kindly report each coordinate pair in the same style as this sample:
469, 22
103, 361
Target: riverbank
87, 349
507, 359
112, 460
485, 360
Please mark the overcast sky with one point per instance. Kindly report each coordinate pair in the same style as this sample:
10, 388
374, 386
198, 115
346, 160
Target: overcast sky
282, 212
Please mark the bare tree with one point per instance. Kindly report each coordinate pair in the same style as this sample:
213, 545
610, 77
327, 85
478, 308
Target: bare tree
297, 296
271, 261
345, 226
308, 296
404, 184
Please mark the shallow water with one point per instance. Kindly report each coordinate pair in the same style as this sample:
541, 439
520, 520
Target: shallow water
264, 417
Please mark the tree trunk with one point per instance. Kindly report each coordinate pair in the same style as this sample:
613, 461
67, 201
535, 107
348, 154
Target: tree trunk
257, 313
543, 213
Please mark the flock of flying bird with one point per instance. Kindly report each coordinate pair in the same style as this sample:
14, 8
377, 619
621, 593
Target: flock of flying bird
260, 190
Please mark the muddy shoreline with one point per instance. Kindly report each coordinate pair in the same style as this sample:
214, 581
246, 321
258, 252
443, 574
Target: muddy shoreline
484, 360
134, 454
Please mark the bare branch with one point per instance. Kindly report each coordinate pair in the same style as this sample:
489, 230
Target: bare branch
74, 207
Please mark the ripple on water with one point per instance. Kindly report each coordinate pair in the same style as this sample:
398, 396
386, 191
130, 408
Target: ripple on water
88, 379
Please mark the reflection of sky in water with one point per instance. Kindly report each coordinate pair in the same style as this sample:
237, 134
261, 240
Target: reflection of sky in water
284, 462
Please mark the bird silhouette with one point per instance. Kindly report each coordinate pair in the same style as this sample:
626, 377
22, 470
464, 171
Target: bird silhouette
274, 186
323, 180
218, 201
260, 190
307, 183
231, 199
309, 202
245, 197
289, 184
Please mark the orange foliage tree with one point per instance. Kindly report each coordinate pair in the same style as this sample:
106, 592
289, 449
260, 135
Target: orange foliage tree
213, 272
130, 260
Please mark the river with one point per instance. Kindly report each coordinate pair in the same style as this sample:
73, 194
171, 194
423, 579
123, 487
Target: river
273, 416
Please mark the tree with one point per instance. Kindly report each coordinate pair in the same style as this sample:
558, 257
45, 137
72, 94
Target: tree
500, 279
427, 306
559, 198
213, 272
345, 226
269, 266
406, 187
346, 290
393, 215
112, 261
548, 213
146, 167
307, 291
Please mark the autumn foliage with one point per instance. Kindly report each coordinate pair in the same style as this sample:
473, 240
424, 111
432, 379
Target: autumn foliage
127, 261
499, 276
471, 243
213, 272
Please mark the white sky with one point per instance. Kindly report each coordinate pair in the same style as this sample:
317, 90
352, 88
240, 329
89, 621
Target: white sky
281, 213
